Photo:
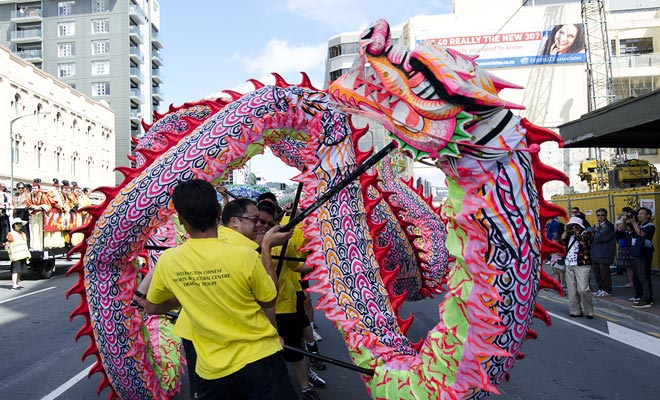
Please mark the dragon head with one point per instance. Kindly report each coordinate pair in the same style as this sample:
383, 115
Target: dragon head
418, 95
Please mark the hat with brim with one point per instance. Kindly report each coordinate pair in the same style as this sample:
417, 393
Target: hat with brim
15, 221
576, 221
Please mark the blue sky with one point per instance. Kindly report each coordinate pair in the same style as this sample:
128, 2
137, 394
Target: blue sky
216, 45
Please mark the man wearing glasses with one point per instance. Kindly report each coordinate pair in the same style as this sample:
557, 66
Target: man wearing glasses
21, 205
223, 289
603, 249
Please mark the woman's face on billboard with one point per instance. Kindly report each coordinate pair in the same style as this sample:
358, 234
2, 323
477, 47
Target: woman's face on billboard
564, 38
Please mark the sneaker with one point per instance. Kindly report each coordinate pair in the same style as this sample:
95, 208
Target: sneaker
310, 394
634, 299
316, 335
598, 293
317, 364
15, 289
315, 380
642, 304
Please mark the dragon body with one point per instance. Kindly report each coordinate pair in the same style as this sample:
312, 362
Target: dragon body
436, 103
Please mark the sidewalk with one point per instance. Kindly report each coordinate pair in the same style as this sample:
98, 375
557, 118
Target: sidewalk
618, 301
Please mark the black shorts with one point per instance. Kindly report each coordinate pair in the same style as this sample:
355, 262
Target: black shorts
289, 328
303, 320
265, 379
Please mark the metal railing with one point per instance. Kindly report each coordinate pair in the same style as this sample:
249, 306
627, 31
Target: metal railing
26, 34
30, 54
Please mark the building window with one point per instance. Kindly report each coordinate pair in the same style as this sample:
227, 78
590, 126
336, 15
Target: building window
100, 25
336, 74
66, 49
67, 70
66, 29
100, 67
100, 47
99, 6
100, 88
65, 8
636, 46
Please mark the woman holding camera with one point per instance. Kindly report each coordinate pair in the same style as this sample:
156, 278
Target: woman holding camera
578, 268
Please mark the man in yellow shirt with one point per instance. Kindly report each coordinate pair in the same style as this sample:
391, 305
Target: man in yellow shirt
223, 289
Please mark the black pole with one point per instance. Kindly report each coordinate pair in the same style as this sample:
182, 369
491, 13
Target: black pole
294, 210
368, 163
330, 360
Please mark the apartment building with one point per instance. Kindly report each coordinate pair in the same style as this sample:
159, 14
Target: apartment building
107, 49
509, 37
51, 130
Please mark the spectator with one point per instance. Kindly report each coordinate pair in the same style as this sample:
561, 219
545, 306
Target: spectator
624, 260
237, 347
603, 249
6, 210
554, 230
19, 254
642, 252
578, 267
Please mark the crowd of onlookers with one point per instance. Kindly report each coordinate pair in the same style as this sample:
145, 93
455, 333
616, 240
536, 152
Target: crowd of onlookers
622, 246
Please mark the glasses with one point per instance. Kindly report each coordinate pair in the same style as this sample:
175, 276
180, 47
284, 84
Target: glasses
21, 188
600, 215
574, 212
258, 220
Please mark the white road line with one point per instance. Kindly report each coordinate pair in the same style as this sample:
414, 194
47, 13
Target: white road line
67, 385
635, 339
26, 295
621, 334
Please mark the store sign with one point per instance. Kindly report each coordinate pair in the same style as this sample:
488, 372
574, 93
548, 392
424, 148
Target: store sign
555, 45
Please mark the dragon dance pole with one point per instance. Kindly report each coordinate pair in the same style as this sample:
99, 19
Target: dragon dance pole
368, 163
294, 210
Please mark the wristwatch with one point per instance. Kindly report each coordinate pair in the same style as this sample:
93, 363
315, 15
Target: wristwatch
140, 294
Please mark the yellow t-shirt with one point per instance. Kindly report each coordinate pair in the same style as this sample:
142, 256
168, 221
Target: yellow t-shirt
286, 296
235, 238
219, 286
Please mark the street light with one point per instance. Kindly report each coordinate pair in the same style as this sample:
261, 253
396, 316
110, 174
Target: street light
11, 146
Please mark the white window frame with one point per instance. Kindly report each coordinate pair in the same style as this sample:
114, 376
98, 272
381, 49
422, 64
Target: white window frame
100, 89
101, 25
100, 6
100, 47
67, 49
65, 29
65, 8
66, 70
101, 67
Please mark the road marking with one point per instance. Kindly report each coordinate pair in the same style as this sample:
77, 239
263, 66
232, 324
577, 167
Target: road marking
621, 334
635, 339
26, 295
67, 385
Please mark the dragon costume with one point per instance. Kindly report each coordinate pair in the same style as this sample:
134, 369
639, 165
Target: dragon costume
438, 105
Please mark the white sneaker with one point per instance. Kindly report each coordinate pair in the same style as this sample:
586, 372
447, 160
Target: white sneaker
634, 299
316, 335
598, 293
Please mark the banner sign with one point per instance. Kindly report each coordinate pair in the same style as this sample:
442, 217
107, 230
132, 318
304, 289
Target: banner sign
556, 45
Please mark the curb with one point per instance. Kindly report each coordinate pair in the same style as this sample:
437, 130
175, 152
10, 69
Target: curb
618, 306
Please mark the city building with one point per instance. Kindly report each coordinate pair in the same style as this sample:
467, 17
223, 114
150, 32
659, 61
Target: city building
510, 38
107, 49
51, 130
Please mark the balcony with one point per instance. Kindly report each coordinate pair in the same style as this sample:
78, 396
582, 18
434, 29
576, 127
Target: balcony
136, 74
28, 15
136, 116
156, 93
136, 95
136, 55
135, 34
155, 75
155, 40
636, 60
136, 14
27, 35
31, 55
156, 58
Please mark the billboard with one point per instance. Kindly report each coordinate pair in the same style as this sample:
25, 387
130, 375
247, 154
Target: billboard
557, 44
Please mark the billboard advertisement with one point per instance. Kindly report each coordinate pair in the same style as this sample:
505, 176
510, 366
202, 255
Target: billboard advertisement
556, 44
